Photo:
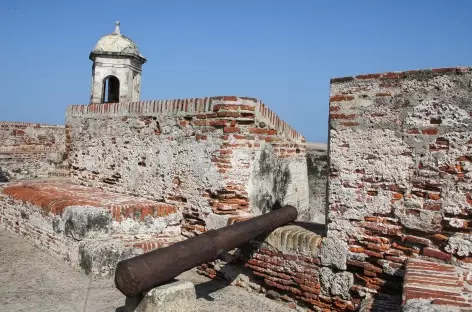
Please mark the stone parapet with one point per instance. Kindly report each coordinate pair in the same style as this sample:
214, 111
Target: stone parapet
214, 158
232, 107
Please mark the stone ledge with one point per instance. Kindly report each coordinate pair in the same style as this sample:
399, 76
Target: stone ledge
404, 74
54, 197
95, 230
21, 124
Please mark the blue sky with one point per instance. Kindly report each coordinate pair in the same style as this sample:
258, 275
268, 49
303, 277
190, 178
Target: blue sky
282, 52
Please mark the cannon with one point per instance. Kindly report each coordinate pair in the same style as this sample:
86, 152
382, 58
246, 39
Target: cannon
141, 273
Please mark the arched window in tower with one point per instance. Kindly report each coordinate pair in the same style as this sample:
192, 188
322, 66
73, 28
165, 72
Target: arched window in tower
111, 90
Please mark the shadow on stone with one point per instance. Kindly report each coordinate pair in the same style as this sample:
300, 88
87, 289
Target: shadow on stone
4, 176
204, 290
318, 228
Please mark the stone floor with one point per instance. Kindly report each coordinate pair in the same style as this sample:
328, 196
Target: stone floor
32, 280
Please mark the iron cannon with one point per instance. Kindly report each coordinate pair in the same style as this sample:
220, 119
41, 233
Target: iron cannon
141, 273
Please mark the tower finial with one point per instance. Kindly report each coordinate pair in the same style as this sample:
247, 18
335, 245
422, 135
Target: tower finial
117, 28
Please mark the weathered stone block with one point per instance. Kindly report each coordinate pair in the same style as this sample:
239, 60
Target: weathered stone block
85, 222
334, 253
101, 257
326, 277
460, 244
341, 284
177, 296
336, 284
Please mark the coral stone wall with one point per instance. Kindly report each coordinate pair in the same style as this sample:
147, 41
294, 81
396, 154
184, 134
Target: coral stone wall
215, 158
399, 187
30, 150
400, 171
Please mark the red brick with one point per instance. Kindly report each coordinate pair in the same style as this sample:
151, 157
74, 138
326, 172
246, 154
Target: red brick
378, 247
217, 123
368, 76
340, 98
356, 249
429, 252
225, 98
229, 114
440, 237
310, 290
430, 266
417, 240
290, 257
243, 137
276, 285
370, 273
393, 75
341, 79
342, 116
397, 196
443, 70
405, 248
373, 254
372, 268
430, 131
464, 158
231, 129
259, 131
432, 206
18, 132
382, 228
200, 122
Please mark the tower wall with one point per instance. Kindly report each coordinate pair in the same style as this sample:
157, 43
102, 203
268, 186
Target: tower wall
128, 72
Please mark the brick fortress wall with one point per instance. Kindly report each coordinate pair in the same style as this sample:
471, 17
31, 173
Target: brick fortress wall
399, 182
215, 158
31, 150
398, 188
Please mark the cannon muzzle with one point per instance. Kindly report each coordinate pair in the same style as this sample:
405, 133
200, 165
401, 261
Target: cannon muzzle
144, 272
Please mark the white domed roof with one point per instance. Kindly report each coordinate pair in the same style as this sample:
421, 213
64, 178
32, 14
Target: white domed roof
117, 44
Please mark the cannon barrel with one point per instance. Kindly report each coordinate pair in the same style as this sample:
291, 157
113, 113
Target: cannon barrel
141, 273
